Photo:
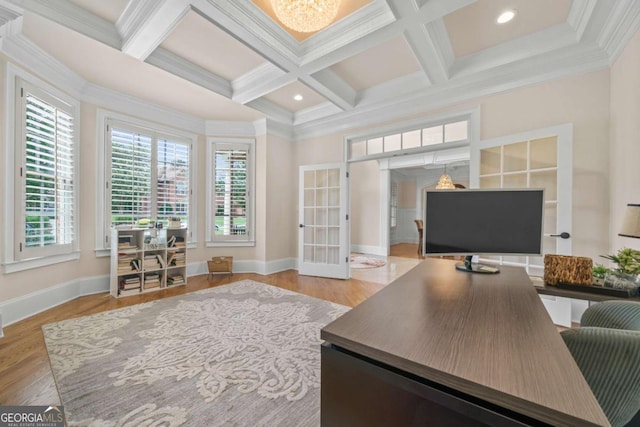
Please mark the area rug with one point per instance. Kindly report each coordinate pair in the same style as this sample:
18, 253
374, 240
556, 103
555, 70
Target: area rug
243, 354
364, 261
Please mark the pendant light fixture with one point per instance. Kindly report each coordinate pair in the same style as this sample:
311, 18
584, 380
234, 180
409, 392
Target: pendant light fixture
306, 16
445, 182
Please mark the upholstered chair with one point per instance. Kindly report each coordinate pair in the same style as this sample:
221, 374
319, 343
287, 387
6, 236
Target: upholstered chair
606, 348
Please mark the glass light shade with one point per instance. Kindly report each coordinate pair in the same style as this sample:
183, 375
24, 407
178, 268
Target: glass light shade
631, 222
306, 16
445, 183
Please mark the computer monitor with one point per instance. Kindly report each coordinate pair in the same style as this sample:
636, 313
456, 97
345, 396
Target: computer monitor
483, 222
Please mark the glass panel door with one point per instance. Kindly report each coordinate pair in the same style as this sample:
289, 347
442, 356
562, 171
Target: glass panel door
537, 159
323, 237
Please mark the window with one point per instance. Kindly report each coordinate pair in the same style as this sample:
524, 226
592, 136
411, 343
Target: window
45, 184
148, 176
230, 191
415, 136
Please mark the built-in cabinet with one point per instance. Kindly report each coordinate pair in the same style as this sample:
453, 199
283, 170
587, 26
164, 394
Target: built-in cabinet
147, 260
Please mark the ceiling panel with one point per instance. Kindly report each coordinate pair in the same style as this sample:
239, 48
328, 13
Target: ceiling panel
473, 28
387, 61
283, 97
347, 7
197, 40
115, 70
109, 10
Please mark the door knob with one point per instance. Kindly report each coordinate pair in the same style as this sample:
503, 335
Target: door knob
301, 225
563, 235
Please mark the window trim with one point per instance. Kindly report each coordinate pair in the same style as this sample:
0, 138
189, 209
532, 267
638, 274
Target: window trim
10, 262
251, 170
103, 156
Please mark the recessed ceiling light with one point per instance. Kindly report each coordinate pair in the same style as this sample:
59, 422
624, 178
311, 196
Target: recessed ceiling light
298, 97
506, 16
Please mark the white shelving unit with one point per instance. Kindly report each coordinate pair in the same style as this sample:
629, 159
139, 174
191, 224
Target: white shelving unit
147, 260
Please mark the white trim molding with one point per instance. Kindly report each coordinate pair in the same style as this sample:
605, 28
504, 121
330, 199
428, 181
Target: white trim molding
370, 250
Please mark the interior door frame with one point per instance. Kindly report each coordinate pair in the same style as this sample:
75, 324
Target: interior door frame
564, 135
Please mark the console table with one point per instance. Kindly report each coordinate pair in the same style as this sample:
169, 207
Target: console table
444, 347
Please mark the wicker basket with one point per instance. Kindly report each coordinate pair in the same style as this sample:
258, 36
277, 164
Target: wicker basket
220, 265
569, 270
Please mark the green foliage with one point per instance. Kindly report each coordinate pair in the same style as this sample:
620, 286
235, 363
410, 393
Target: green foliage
627, 260
599, 271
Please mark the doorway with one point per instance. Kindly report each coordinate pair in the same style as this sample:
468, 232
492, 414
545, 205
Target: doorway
407, 187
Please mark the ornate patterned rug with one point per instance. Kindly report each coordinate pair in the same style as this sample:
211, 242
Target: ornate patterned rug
366, 261
245, 354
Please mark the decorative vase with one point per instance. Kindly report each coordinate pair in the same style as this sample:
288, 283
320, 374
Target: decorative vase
618, 280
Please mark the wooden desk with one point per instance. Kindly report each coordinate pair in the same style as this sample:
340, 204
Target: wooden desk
443, 347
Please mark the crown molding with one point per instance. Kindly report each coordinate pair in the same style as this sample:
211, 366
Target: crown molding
27, 54
174, 64
622, 24
70, 15
271, 127
440, 39
260, 81
122, 103
146, 23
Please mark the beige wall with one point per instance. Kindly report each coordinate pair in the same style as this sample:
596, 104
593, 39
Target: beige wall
281, 211
582, 100
625, 140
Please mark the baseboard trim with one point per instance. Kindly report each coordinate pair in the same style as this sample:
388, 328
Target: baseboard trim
17, 309
20, 308
370, 250
249, 266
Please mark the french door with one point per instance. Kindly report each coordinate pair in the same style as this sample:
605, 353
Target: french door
323, 238
535, 159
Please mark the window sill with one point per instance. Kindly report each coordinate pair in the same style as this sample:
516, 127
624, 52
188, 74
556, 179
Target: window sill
15, 266
230, 244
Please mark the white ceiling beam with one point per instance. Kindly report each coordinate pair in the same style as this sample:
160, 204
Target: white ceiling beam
260, 81
72, 16
180, 67
622, 24
144, 24
579, 16
272, 110
332, 87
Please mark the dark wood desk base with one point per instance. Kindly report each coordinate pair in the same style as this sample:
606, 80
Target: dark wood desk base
357, 391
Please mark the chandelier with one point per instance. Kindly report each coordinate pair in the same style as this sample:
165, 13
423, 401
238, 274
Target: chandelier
445, 182
306, 16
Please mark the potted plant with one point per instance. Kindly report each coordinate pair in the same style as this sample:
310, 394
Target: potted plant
626, 275
599, 273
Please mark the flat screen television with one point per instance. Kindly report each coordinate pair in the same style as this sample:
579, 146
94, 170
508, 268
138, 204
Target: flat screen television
483, 222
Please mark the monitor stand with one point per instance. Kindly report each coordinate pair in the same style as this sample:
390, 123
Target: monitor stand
473, 267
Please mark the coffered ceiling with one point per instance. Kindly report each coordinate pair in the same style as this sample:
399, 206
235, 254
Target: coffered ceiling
231, 60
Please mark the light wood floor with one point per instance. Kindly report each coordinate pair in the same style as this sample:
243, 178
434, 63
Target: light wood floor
25, 373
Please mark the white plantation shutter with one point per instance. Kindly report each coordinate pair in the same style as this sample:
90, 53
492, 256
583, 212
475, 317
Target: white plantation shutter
150, 175
231, 191
173, 180
130, 176
47, 171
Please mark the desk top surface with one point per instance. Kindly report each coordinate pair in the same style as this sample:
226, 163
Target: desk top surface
486, 335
